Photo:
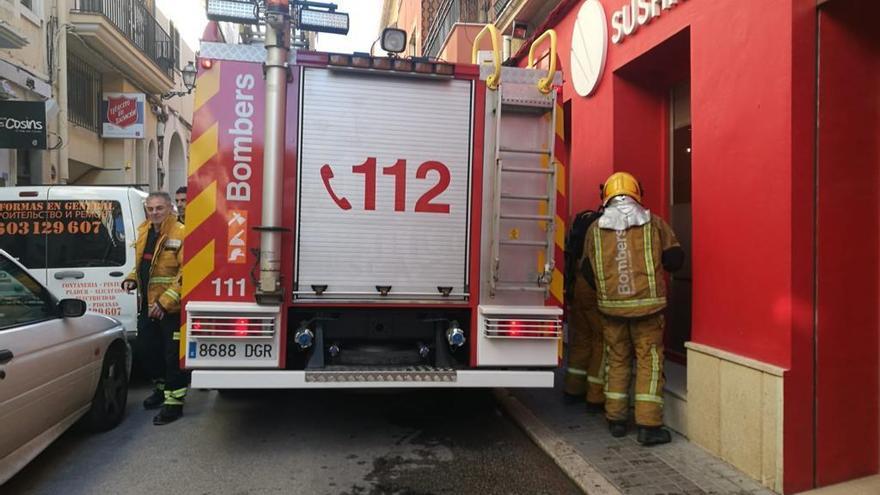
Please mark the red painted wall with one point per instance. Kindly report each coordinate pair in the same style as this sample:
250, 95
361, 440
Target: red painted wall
752, 73
848, 240
741, 80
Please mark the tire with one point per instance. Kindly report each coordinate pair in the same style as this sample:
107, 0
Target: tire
108, 405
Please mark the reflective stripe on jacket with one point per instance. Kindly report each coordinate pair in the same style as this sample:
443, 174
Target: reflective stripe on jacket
165, 276
628, 267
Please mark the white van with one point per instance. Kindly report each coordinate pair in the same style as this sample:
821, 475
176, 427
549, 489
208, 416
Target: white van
78, 241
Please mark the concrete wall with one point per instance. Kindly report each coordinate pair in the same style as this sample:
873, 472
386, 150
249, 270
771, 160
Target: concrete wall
735, 411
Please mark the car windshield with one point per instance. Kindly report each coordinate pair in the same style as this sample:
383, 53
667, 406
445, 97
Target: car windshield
63, 233
22, 299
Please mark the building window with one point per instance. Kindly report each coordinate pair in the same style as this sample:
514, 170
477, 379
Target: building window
83, 94
175, 46
28, 3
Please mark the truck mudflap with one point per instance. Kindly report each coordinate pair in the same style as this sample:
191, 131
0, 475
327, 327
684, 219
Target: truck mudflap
417, 377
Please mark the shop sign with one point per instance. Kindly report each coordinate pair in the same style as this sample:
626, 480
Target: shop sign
23, 125
626, 21
589, 47
123, 115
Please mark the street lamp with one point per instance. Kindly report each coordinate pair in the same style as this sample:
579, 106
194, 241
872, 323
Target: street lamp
189, 81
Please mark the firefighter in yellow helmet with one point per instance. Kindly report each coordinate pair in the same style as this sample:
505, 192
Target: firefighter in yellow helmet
584, 369
628, 247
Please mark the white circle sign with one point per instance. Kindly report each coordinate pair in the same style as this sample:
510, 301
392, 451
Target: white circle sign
589, 47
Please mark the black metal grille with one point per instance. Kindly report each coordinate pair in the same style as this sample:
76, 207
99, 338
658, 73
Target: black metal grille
133, 19
83, 94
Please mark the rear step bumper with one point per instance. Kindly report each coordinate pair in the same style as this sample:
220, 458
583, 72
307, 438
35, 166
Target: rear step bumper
277, 379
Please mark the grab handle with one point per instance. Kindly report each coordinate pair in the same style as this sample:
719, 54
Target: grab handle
545, 84
494, 79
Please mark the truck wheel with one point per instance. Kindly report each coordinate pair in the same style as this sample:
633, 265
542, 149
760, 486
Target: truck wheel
108, 405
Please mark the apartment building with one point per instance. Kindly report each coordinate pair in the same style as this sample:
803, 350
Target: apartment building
93, 63
445, 29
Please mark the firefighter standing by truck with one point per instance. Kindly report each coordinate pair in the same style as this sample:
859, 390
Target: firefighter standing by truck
628, 248
159, 257
584, 371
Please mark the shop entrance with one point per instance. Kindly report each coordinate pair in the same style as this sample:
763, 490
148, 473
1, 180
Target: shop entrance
847, 242
652, 140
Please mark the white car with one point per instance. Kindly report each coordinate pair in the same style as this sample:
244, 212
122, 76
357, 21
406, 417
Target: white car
58, 364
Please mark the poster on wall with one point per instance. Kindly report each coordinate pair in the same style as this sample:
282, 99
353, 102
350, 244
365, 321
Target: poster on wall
122, 115
23, 125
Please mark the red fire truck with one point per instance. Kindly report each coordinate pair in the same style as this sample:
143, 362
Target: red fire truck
366, 221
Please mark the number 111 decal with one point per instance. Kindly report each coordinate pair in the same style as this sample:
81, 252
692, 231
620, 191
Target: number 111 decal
425, 203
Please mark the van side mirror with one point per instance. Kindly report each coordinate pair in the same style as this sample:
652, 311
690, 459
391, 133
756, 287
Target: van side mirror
72, 308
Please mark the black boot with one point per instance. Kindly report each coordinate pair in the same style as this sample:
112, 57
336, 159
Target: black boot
595, 407
568, 398
618, 428
155, 399
654, 435
168, 414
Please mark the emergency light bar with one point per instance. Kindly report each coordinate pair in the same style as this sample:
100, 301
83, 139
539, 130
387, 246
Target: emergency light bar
323, 21
417, 66
239, 11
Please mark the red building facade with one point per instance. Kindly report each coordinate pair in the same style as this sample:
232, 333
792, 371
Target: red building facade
755, 128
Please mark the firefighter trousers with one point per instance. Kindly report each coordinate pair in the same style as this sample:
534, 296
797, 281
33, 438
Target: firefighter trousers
584, 373
159, 349
644, 337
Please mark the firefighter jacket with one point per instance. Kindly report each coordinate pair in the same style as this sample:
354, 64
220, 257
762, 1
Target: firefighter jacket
625, 267
165, 268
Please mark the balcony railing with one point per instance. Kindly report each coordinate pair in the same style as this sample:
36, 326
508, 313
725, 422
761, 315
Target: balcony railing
134, 21
448, 14
499, 7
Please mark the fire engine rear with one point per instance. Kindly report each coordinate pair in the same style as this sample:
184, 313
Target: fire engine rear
360, 221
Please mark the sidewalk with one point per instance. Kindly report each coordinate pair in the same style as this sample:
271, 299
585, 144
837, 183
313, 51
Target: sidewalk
619, 465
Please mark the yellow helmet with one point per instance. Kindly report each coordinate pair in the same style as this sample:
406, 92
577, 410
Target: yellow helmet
621, 183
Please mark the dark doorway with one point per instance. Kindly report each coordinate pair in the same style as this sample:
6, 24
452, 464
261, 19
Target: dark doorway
678, 328
848, 242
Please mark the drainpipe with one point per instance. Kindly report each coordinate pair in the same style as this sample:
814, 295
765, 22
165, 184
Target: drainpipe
61, 13
277, 49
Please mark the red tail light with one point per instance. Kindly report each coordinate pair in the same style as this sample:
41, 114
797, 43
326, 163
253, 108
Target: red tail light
526, 328
514, 328
241, 327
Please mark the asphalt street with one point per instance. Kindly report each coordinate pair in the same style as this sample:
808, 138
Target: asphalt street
302, 442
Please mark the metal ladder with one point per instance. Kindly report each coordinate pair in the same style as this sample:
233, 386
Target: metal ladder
522, 99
